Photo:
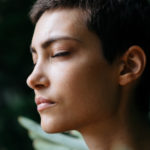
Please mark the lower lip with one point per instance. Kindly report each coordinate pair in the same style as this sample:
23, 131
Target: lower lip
44, 106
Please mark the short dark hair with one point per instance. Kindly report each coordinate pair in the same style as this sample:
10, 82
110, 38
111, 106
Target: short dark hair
119, 25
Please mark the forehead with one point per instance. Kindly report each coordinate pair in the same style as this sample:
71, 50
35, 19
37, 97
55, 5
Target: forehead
60, 22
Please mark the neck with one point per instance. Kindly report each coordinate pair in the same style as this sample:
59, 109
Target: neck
118, 134
125, 130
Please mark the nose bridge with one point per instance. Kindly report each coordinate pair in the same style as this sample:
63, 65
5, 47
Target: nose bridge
38, 77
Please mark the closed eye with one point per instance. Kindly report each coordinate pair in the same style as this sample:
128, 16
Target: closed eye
61, 54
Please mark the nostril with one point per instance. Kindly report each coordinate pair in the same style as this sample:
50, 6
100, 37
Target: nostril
39, 86
37, 80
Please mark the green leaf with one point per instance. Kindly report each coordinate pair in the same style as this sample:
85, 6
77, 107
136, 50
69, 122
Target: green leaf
76, 134
39, 144
61, 139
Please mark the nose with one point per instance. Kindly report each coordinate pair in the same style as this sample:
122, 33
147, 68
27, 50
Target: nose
38, 79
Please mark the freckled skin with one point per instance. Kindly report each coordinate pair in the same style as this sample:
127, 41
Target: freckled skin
83, 84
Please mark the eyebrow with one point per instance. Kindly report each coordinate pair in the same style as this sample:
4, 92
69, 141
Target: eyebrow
49, 41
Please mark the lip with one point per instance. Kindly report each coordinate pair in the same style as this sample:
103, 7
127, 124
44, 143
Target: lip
43, 103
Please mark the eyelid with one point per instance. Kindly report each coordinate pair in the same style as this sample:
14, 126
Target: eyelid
32, 50
59, 54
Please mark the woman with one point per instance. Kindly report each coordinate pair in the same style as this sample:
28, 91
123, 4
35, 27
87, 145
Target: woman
91, 66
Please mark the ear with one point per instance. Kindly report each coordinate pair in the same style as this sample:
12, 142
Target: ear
132, 65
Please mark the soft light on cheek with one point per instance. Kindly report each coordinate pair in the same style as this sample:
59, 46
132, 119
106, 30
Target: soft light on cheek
58, 68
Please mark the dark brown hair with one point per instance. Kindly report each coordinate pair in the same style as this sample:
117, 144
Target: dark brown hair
119, 24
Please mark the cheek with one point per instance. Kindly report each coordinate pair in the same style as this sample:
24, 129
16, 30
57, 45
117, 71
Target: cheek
83, 89
78, 79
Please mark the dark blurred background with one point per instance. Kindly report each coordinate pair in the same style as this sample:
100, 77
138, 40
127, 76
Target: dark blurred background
16, 99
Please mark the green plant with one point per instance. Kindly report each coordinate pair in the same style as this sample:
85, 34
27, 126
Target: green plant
43, 141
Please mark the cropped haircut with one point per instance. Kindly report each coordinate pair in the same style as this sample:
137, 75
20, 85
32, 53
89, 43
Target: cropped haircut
119, 24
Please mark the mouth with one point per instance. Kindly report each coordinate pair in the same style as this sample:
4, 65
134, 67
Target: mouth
43, 103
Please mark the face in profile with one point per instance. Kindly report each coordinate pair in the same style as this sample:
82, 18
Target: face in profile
73, 83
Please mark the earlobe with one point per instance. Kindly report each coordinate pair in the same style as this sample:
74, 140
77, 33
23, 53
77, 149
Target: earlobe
132, 65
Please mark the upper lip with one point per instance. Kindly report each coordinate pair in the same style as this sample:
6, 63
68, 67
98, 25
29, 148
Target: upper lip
40, 100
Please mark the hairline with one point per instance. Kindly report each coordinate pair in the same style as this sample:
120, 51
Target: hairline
84, 11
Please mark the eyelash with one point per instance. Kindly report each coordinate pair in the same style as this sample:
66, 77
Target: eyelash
57, 55
61, 54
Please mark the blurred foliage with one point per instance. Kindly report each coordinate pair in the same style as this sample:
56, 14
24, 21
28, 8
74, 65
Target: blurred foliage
43, 141
15, 65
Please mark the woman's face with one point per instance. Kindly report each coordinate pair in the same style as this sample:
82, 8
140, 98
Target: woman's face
74, 85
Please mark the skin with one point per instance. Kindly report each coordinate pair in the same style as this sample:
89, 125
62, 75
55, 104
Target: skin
89, 93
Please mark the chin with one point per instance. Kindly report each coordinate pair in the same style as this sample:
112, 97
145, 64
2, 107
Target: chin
50, 125
49, 129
